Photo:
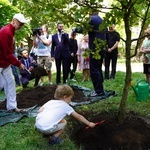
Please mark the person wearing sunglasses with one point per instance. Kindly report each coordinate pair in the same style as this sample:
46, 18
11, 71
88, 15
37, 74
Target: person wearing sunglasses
7, 59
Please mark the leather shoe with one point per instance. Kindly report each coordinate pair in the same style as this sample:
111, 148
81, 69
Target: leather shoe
94, 94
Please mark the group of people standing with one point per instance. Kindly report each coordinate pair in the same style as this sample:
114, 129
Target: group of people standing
65, 51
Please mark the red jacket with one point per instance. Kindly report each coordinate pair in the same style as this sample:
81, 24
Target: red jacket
6, 47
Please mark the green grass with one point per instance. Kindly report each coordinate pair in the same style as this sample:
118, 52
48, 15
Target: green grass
23, 136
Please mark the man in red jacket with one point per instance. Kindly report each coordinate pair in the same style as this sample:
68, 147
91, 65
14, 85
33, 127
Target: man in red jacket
7, 59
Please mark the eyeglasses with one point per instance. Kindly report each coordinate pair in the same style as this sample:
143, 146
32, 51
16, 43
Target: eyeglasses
19, 23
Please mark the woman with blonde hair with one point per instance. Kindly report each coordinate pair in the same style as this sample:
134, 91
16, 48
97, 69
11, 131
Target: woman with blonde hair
84, 62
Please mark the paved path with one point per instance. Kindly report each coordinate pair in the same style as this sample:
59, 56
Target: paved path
136, 67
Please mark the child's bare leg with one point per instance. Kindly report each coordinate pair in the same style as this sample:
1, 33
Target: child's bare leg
42, 79
50, 76
57, 133
88, 74
54, 138
83, 74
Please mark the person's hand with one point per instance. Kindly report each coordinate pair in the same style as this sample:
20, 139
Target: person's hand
109, 50
33, 61
31, 68
91, 124
52, 58
145, 59
142, 51
72, 54
22, 66
73, 29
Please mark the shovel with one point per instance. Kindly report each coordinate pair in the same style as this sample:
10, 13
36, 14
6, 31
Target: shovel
96, 123
27, 70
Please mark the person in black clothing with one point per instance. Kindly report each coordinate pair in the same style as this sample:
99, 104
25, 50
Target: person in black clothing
113, 38
95, 64
73, 60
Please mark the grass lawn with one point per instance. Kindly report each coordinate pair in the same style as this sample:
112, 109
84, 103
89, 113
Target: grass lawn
23, 136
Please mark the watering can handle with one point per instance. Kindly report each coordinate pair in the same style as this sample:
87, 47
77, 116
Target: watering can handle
142, 81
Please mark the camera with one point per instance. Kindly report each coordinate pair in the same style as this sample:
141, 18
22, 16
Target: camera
37, 31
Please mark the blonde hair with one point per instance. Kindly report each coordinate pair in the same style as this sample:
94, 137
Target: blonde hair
63, 90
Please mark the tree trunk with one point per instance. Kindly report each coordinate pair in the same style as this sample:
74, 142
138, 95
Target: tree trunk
121, 112
122, 107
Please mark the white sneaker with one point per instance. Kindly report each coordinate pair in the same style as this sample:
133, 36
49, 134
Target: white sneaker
41, 84
50, 83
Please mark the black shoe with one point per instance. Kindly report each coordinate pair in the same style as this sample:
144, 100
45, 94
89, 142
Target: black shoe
55, 140
94, 94
2, 89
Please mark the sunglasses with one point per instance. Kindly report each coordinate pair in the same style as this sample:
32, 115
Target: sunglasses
19, 23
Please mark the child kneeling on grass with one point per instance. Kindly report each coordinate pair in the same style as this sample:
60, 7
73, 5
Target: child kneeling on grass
50, 119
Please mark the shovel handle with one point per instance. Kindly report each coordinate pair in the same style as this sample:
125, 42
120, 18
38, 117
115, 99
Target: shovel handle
96, 123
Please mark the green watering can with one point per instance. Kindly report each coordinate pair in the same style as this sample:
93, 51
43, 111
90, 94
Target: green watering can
141, 90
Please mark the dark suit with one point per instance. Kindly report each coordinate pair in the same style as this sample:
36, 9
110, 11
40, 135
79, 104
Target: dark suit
96, 65
111, 57
36, 73
60, 51
73, 49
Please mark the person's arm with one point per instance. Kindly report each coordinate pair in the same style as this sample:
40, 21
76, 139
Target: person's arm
52, 48
41, 109
82, 119
113, 47
35, 43
46, 41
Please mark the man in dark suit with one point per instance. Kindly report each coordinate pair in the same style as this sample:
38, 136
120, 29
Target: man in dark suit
31, 71
60, 51
95, 64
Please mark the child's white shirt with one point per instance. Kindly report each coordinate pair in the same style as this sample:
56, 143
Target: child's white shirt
54, 111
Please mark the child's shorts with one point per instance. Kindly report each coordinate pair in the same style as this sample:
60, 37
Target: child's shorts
56, 128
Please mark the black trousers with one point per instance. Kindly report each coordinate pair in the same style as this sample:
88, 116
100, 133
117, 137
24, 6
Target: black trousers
65, 62
73, 64
96, 73
110, 58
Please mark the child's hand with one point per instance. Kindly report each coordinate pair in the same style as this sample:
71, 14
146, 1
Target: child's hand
91, 124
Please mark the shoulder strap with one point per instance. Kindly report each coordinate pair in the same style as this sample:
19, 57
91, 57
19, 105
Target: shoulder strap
47, 36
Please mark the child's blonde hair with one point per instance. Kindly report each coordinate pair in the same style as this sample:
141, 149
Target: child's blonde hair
63, 90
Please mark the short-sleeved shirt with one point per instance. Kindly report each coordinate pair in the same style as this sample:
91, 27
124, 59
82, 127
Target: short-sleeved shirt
112, 38
146, 45
54, 111
43, 49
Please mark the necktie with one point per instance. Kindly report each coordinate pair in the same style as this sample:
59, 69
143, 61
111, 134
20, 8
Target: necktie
59, 36
27, 64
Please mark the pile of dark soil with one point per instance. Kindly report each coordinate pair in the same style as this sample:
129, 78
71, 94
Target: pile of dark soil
39, 96
133, 134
